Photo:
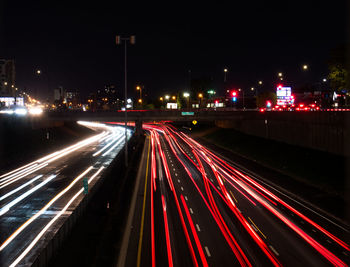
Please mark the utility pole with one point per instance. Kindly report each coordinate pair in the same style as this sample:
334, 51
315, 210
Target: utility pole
118, 40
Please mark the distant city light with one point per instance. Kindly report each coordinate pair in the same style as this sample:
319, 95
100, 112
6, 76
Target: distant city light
138, 87
167, 97
225, 70
38, 72
186, 94
140, 100
35, 110
5, 83
305, 67
324, 80
173, 97
252, 88
200, 95
161, 98
128, 101
260, 82
20, 111
280, 74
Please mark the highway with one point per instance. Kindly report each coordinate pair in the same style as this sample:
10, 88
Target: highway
37, 198
191, 207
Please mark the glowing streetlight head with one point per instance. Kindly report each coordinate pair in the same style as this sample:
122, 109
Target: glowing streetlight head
281, 79
12, 86
252, 88
260, 82
280, 74
305, 67
200, 95
5, 83
138, 87
225, 70
38, 71
324, 80
167, 97
140, 100
186, 94
161, 98
173, 97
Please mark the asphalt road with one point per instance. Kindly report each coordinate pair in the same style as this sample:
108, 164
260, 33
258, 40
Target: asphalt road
192, 207
37, 198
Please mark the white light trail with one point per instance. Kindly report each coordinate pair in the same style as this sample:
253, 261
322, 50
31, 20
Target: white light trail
53, 200
42, 232
20, 187
7, 207
108, 145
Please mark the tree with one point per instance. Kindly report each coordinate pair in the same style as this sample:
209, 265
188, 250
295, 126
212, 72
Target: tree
338, 74
266, 96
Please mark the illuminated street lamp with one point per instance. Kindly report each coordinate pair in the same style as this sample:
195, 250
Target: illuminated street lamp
5, 83
260, 82
252, 88
187, 95
324, 80
12, 86
38, 72
167, 97
280, 74
173, 97
200, 95
305, 67
139, 88
161, 98
118, 41
225, 71
140, 101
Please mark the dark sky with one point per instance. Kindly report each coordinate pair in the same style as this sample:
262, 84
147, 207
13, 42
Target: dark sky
74, 45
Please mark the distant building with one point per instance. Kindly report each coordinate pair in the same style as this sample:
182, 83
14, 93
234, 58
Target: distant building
7, 77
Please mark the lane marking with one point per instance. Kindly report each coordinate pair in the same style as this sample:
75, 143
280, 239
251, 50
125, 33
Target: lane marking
233, 196
182, 189
186, 198
175, 174
139, 249
198, 228
256, 227
178, 180
207, 251
191, 210
274, 250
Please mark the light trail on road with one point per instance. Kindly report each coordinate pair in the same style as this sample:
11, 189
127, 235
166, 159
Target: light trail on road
227, 200
37, 198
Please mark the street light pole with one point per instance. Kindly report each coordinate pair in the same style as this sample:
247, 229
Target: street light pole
132, 41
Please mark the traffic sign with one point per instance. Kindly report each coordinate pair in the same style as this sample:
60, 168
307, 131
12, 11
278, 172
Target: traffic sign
86, 186
187, 113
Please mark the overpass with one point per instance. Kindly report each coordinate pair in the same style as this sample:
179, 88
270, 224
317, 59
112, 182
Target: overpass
321, 130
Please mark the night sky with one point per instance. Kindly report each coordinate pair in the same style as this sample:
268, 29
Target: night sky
74, 45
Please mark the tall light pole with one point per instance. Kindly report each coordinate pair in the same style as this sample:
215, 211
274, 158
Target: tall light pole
225, 71
119, 40
139, 88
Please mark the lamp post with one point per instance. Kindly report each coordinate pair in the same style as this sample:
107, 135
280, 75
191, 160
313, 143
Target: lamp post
119, 40
139, 88
187, 95
225, 71
200, 96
